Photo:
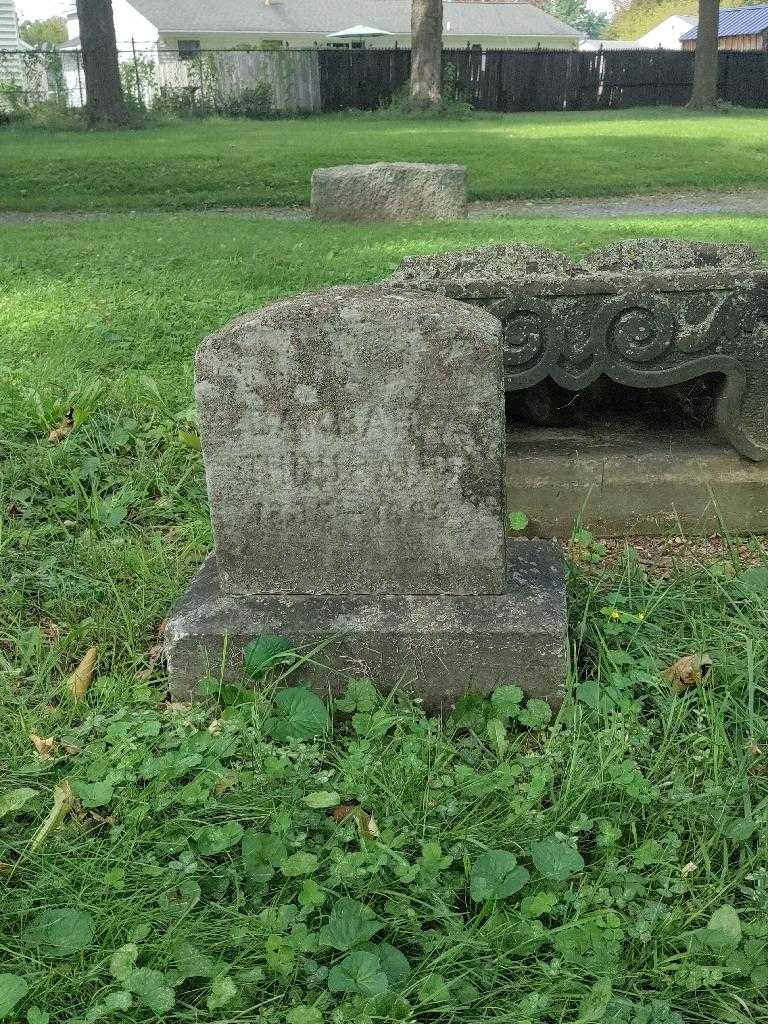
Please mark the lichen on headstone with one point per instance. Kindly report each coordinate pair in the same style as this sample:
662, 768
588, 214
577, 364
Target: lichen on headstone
486, 262
653, 255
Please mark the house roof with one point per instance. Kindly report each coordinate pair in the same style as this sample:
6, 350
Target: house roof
320, 17
738, 21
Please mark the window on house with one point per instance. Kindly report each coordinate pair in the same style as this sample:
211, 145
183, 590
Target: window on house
189, 48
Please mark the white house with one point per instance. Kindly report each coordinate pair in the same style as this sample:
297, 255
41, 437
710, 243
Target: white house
607, 44
668, 32
184, 27
11, 72
9, 26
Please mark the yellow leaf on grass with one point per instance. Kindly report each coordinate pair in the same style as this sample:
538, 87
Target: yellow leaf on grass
63, 429
688, 672
46, 748
81, 678
63, 801
366, 823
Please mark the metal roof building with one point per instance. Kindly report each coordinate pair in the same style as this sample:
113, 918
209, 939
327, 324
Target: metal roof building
740, 28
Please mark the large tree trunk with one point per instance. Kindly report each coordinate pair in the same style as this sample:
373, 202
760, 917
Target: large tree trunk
704, 95
426, 51
104, 103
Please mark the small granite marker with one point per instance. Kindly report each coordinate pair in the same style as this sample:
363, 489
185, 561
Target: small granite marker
353, 442
398, 191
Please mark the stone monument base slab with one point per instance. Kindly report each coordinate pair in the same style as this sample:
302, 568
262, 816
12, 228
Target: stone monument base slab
439, 646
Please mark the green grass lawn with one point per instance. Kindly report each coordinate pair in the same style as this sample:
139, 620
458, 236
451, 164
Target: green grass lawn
237, 163
609, 866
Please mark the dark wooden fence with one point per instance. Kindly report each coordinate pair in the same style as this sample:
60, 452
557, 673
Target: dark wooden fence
520, 80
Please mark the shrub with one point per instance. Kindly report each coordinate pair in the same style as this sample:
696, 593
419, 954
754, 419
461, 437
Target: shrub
254, 102
182, 101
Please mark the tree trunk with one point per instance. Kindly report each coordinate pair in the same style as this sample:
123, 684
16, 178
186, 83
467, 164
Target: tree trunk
704, 95
426, 51
104, 103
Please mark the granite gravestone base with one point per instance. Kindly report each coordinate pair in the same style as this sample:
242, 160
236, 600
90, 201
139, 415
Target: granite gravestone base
353, 443
389, 192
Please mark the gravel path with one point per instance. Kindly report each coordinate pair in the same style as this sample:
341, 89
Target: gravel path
746, 201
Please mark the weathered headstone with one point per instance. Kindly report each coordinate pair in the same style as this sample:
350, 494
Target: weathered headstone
353, 443
390, 192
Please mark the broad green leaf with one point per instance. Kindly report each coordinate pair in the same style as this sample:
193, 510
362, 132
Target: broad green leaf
182, 897
506, 701
322, 799
118, 1001
311, 894
223, 991
263, 653
538, 904
594, 1005
299, 864
350, 924
215, 839
37, 1016
497, 735
556, 859
754, 580
394, 963
191, 963
262, 853
740, 829
123, 962
360, 695
536, 714
93, 794
723, 927
61, 932
151, 990
434, 990
298, 714
358, 972
12, 989
495, 875
14, 799
304, 1015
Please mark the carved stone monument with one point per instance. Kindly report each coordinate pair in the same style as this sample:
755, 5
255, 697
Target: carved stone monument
353, 443
645, 313
389, 191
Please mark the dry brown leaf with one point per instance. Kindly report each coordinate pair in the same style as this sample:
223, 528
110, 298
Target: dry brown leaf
155, 653
81, 678
63, 429
366, 823
63, 801
51, 631
175, 707
688, 672
5, 867
46, 748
